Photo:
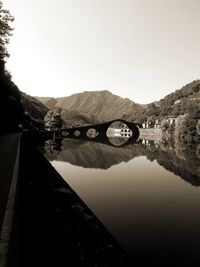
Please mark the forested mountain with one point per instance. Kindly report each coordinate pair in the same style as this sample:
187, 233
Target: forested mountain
49, 102
33, 107
17, 108
183, 101
99, 106
75, 119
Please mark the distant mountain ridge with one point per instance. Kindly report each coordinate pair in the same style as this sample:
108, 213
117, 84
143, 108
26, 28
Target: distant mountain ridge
96, 105
101, 106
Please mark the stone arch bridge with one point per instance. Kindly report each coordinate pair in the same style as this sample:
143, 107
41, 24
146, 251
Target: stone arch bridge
128, 132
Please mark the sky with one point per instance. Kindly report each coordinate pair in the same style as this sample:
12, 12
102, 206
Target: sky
137, 49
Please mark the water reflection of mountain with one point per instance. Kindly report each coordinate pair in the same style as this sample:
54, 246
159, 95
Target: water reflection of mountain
179, 159
91, 154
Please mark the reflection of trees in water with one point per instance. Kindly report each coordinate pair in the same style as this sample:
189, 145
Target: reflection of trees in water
180, 159
187, 167
53, 148
118, 141
198, 151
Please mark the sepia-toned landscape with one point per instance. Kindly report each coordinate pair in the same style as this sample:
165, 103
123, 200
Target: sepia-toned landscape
94, 178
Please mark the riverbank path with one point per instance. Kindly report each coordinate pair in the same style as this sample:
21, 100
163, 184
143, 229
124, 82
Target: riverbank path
9, 163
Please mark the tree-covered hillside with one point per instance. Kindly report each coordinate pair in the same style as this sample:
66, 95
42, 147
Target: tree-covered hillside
11, 110
17, 110
183, 101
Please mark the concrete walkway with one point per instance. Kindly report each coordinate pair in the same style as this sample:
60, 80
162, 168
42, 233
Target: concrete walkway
9, 162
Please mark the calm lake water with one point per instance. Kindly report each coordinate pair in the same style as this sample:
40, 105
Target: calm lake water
146, 194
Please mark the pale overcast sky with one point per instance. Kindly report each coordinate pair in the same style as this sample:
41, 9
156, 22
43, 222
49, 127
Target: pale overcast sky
139, 49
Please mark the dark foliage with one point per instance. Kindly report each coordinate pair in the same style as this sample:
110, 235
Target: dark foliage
183, 101
5, 33
11, 109
17, 110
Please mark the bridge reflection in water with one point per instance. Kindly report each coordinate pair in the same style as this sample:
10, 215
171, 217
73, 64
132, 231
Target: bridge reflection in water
116, 133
